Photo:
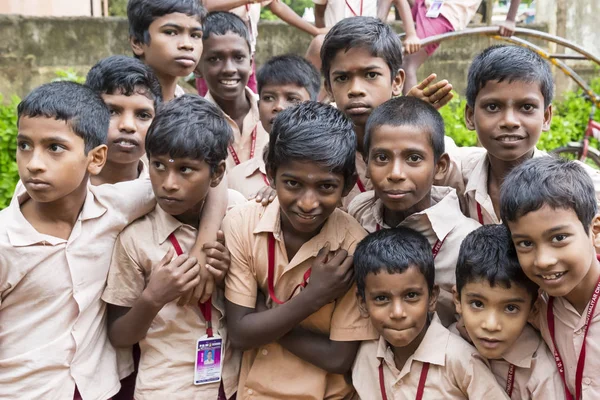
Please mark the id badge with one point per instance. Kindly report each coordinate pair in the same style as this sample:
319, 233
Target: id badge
434, 9
209, 360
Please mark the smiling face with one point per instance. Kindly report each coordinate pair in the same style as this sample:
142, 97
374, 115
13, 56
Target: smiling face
556, 252
308, 194
130, 118
276, 98
226, 65
398, 305
509, 118
175, 45
494, 316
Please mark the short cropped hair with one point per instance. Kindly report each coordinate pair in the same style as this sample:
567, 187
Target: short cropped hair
551, 181
79, 106
408, 111
189, 127
488, 255
222, 22
290, 69
367, 32
141, 13
509, 63
313, 132
393, 250
124, 75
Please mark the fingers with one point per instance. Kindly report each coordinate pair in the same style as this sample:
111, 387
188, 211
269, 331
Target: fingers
186, 298
440, 93
442, 102
322, 254
220, 237
265, 196
217, 273
167, 258
209, 287
338, 258
425, 82
436, 87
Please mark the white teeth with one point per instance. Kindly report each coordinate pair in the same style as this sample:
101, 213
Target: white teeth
510, 138
229, 82
552, 276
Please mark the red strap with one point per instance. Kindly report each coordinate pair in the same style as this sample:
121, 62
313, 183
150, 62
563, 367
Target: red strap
581, 361
271, 273
352, 9
205, 308
510, 380
420, 388
266, 179
236, 159
360, 185
479, 214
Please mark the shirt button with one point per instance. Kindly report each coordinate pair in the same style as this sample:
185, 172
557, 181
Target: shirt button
265, 352
587, 381
250, 391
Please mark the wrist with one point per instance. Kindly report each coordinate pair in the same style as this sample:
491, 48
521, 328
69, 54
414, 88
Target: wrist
314, 300
149, 301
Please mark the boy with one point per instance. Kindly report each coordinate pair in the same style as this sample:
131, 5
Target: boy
495, 299
167, 36
362, 60
187, 146
283, 81
65, 230
509, 96
301, 342
225, 65
404, 152
132, 93
550, 207
415, 356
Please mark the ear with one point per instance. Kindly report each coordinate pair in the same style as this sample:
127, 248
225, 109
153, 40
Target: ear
271, 177
547, 118
327, 86
595, 232
469, 117
351, 181
218, 173
441, 168
96, 159
362, 305
137, 47
398, 83
456, 299
433, 298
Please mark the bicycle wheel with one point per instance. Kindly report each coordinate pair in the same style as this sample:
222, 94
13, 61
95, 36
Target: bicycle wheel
573, 152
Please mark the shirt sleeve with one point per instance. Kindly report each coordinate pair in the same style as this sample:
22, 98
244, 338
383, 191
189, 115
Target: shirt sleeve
133, 199
475, 377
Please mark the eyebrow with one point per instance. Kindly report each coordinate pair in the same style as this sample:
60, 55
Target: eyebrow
367, 68
45, 140
177, 26
546, 232
325, 180
511, 300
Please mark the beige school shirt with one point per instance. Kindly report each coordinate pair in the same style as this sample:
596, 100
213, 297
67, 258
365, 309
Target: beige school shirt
443, 222
456, 370
166, 368
535, 374
250, 14
272, 372
458, 12
337, 10
569, 331
249, 177
242, 140
52, 320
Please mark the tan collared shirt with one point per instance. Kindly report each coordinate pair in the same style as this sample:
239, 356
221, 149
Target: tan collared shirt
249, 177
337, 10
569, 330
52, 320
443, 222
535, 374
456, 369
250, 14
242, 140
271, 372
167, 361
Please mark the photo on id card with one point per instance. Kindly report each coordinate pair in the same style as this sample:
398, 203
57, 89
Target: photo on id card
209, 356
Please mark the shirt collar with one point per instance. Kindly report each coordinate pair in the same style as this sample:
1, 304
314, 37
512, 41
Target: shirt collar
165, 224
252, 165
253, 113
523, 350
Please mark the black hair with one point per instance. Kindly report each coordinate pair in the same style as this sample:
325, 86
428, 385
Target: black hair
551, 181
126, 76
313, 132
488, 254
141, 13
222, 22
290, 69
189, 127
394, 250
79, 106
408, 111
368, 32
509, 63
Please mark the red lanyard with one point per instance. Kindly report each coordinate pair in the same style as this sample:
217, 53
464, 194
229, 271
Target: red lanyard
420, 388
360, 185
271, 273
510, 380
352, 9
249, 22
205, 308
581, 361
436, 247
264, 176
252, 148
479, 214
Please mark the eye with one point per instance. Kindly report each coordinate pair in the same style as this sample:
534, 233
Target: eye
294, 100
512, 309
291, 184
492, 107
380, 298
328, 187
56, 148
197, 35
525, 244
380, 157
414, 158
340, 78
23, 146
213, 59
476, 304
145, 116
559, 238
186, 170
528, 107
268, 98
170, 32
412, 296
158, 166
372, 75
240, 57
113, 112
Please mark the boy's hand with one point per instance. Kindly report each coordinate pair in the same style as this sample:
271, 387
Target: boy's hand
332, 275
169, 279
265, 196
411, 44
438, 94
507, 28
218, 258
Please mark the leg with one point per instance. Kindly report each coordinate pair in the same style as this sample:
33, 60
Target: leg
411, 64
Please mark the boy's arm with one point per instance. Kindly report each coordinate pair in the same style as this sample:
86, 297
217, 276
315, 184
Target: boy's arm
288, 15
411, 42
320, 6
383, 9
507, 28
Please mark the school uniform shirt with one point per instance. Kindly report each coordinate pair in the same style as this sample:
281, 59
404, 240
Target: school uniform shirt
242, 141
166, 366
569, 332
250, 14
337, 10
52, 320
443, 222
456, 369
179, 91
535, 373
272, 372
249, 177
458, 12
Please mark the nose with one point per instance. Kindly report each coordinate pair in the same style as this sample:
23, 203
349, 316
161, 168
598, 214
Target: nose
185, 42
278, 106
356, 88
510, 119
127, 122
397, 311
491, 322
170, 183
398, 171
229, 67
308, 201
36, 163
544, 258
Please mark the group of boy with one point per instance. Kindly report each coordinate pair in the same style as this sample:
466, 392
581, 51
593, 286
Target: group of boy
427, 288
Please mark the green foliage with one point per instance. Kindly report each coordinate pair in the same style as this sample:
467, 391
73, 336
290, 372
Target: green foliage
453, 114
9, 174
117, 8
68, 74
297, 5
